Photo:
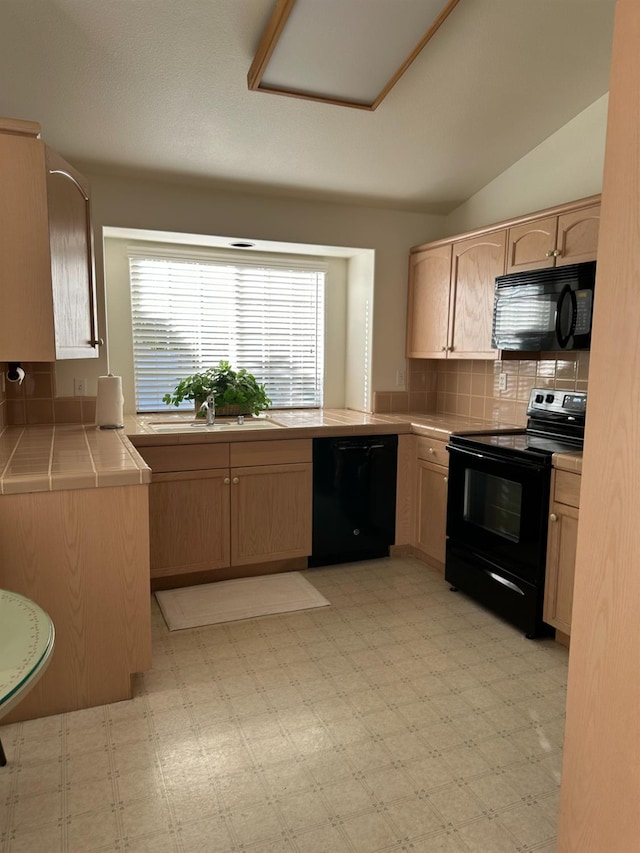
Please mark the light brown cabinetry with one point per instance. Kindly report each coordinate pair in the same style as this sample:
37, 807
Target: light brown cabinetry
452, 282
561, 549
82, 555
450, 301
429, 293
189, 522
431, 500
219, 505
46, 252
476, 263
567, 238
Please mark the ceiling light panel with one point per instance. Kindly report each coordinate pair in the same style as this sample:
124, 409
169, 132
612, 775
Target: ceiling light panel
347, 52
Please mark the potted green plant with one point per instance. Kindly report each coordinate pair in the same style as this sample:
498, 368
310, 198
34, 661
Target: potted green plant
235, 392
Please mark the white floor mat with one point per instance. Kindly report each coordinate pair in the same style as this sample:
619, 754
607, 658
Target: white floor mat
244, 598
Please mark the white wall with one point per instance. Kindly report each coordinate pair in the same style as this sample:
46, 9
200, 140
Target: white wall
359, 331
566, 166
151, 204
118, 313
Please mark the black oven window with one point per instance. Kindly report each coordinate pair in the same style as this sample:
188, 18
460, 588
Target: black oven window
493, 503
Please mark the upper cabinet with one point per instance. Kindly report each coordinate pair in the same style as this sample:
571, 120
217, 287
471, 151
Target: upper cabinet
450, 302
47, 275
476, 263
428, 315
452, 281
568, 238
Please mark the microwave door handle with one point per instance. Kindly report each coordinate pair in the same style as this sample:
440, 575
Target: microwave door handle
563, 340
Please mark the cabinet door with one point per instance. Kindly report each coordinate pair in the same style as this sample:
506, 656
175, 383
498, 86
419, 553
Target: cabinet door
531, 245
578, 236
26, 316
561, 563
428, 303
476, 263
432, 510
270, 513
72, 272
189, 522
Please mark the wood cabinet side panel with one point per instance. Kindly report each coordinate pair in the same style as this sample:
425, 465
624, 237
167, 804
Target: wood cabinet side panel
405, 490
26, 319
84, 557
600, 776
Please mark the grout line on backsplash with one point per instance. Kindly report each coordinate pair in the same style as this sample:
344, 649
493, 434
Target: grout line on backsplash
472, 387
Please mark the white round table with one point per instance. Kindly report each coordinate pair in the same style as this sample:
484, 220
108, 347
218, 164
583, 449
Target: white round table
27, 637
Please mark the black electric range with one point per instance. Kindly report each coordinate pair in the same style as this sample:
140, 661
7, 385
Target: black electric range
498, 503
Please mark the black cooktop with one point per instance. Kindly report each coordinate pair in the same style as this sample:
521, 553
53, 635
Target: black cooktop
521, 443
555, 425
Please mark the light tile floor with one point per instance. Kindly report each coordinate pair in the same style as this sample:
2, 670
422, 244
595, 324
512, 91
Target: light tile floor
402, 718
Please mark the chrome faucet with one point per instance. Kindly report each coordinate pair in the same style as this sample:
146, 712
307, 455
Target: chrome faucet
209, 406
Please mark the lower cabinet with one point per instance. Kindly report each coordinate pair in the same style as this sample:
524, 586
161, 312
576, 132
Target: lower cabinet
270, 513
83, 556
189, 522
431, 504
252, 504
561, 550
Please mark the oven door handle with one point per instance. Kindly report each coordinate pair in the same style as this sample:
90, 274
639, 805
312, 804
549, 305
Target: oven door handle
489, 457
504, 581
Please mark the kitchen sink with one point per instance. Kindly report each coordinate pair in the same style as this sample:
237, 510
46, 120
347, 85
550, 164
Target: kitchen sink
219, 426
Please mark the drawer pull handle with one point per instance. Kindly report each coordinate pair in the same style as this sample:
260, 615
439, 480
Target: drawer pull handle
226, 481
236, 480
446, 479
431, 451
553, 517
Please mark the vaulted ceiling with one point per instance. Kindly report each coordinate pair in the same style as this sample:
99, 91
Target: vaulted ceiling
160, 87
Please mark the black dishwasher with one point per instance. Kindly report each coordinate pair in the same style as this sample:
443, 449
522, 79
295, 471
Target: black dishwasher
354, 498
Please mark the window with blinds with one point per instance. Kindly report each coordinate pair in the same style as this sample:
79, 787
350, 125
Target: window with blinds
191, 311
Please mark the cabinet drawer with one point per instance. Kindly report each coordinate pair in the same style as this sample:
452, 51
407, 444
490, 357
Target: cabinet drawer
567, 488
433, 451
244, 453
185, 457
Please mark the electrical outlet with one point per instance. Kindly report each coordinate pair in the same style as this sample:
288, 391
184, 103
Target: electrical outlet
502, 384
80, 387
400, 378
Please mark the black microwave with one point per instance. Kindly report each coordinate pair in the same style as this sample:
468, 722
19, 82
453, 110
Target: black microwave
546, 310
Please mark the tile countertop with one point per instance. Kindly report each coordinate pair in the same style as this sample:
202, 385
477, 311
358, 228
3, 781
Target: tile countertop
568, 461
304, 423
70, 456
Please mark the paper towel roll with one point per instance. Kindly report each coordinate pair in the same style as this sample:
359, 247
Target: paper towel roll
110, 402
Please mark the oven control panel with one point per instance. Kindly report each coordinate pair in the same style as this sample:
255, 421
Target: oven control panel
544, 401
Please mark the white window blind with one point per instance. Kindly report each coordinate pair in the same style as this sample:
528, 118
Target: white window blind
191, 311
